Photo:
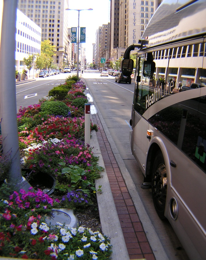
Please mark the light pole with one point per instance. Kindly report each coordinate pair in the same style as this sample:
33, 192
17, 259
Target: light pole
89, 9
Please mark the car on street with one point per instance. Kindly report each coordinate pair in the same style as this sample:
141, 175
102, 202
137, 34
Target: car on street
122, 78
42, 74
104, 73
67, 70
115, 72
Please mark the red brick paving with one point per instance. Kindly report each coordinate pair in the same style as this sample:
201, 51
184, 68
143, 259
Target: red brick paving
135, 238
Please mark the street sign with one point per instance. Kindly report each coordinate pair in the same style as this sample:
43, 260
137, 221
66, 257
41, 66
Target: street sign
73, 35
82, 34
103, 60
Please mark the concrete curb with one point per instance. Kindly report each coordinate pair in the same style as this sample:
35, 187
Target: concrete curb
25, 81
149, 229
107, 211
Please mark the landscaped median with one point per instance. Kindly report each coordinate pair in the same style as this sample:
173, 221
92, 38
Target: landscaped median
51, 141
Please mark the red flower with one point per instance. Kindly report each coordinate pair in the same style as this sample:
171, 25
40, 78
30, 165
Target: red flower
19, 228
33, 242
41, 240
17, 249
24, 256
47, 252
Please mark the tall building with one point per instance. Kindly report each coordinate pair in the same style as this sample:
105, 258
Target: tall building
52, 17
133, 17
103, 42
28, 41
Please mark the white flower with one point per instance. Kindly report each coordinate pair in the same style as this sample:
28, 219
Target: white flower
71, 257
91, 232
93, 238
6, 202
84, 239
34, 231
73, 231
62, 246
102, 239
79, 252
34, 225
102, 246
63, 231
92, 252
22, 252
94, 257
68, 234
54, 255
87, 245
81, 229
65, 239
44, 226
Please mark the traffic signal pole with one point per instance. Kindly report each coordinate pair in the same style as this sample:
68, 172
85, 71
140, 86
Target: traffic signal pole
8, 111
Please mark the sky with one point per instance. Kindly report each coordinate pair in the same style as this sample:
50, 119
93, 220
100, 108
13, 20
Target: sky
90, 19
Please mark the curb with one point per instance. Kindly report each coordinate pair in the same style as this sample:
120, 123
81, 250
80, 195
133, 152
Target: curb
107, 211
25, 81
148, 227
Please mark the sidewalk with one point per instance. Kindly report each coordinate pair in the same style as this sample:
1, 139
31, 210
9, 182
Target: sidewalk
122, 214
25, 81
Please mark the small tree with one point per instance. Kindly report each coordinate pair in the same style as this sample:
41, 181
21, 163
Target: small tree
29, 61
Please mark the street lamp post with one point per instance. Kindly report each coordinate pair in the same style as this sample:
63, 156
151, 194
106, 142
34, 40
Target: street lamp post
89, 9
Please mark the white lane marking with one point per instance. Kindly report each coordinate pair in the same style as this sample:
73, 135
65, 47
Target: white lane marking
30, 88
30, 95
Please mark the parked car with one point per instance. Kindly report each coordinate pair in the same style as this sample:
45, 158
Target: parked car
115, 73
104, 73
192, 86
42, 74
122, 78
110, 71
67, 69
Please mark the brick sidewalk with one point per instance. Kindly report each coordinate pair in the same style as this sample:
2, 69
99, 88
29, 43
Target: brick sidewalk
136, 241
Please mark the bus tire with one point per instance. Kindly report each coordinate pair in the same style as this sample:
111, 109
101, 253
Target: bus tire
159, 185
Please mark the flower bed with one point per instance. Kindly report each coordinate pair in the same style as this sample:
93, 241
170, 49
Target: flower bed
23, 229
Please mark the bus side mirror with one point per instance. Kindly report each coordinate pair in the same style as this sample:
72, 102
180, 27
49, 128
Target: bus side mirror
127, 66
148, 69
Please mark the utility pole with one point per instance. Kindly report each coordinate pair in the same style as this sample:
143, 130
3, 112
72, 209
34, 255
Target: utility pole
8, 111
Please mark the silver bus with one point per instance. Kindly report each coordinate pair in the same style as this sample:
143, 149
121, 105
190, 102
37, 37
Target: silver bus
168, 119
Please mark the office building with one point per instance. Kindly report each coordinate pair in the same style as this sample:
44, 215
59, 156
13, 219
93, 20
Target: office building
28, 41
52, 17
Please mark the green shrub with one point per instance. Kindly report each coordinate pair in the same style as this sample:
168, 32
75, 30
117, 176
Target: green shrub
69, 83
79, 94
73, 78
59, 92
55, 108
79, 102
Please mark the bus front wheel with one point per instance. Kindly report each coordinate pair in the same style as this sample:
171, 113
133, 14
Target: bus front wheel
159, 185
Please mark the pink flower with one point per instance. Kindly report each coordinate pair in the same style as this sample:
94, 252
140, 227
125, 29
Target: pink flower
7, 215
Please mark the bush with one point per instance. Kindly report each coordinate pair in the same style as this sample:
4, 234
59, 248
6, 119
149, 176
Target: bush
73, 78
69, 83
55, 108
58, 92
79, 102
79, 94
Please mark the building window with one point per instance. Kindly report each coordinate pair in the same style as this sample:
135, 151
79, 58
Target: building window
146, 9
195, 50
142, 2
142, 14
152, 3
142, 9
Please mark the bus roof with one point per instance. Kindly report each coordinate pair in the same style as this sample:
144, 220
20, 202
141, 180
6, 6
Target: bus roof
175, 20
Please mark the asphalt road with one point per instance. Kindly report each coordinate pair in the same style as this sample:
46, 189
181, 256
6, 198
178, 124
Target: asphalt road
114, 102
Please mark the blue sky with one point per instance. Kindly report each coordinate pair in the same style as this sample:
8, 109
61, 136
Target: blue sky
89, 19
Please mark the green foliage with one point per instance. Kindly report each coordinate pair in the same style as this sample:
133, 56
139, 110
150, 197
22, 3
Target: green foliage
29, 61
79, 94
58, 92
22, 145
69, 83
55, 108
72, 78
79, 102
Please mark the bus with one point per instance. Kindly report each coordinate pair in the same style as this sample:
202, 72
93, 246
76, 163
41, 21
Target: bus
168, 118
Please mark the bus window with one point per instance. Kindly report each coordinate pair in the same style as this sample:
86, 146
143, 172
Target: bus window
184, 124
